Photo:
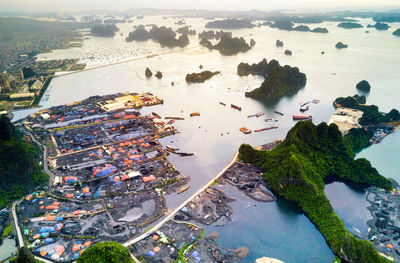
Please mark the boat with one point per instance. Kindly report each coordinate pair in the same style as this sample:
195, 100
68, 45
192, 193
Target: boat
302, 117
174, 118
271, 120
171, 121
315, 101
223, 104
304, 108
277, 112
251, 115
304, 104
171, 148
236, 107
182, 189
260, 114
156, 115
194, 114
245, 130
266, 128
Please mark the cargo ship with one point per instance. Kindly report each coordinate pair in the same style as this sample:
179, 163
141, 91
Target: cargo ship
236, 107
266, 128
171, 121
302, 117
271, 120
182, 189
304, 108
156, 115
194, 114
223, 104
277, 112
245, 130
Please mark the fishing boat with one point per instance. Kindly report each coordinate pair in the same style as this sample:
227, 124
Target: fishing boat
182, 189
302, 117
245, 130
236, 107
266, 128
156, 115
277, 112
194, 114
271, 120
304, 108
171, 121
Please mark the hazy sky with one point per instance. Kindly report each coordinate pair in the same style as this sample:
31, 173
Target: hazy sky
74, 5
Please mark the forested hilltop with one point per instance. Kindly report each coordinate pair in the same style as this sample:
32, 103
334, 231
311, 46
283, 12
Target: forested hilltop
19, 169
297, 170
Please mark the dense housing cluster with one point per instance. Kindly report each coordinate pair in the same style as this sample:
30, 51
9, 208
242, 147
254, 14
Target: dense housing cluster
109, 174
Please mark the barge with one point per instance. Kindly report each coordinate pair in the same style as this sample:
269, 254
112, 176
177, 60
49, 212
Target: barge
174, 118
302, 117
271, 120
266, 128
304, 108
236, 107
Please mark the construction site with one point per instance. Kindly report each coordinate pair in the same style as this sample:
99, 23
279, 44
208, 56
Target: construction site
185, 242
109, 174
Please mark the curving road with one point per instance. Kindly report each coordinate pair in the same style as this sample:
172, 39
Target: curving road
176, 210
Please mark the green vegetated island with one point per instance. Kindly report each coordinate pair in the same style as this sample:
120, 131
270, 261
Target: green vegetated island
163, 35
279, 80
104, 30
19, 169
297, 170
360, 138
350, 25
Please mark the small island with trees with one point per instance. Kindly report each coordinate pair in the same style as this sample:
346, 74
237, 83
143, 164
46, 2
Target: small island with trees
340, 45
228, 45
279, 80
200, 77
349, 25
363, 86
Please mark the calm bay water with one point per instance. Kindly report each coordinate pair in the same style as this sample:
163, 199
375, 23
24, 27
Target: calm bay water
272, 229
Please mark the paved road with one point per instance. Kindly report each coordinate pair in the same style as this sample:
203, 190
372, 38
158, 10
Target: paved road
16, 225
176, 210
